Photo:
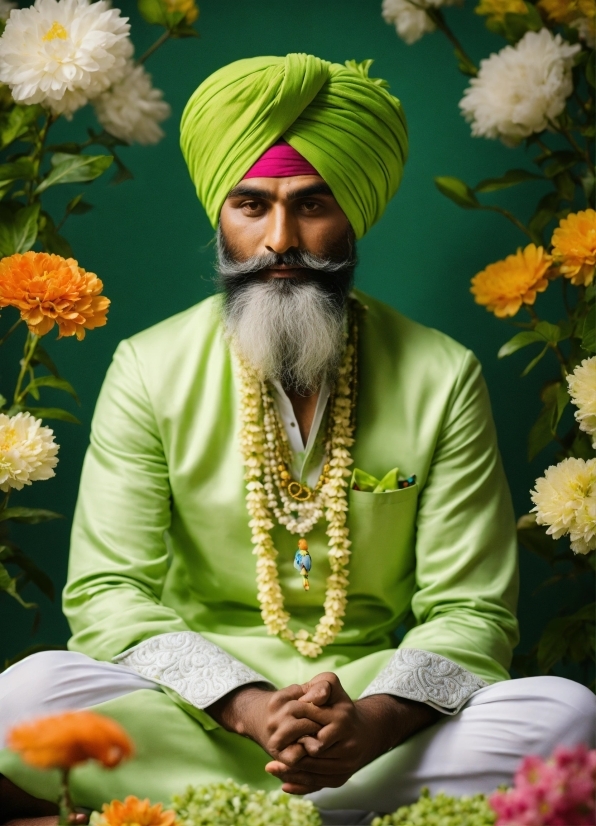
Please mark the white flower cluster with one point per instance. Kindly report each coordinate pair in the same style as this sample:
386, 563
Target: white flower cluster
582, 389
410, 18
333, 495
65, 53
565, 500
27, 451
519, 89
133, 109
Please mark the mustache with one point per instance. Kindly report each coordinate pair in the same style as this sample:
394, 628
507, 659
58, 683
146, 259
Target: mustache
336, 261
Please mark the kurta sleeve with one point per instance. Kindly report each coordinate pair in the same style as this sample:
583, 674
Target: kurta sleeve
466, 563
119, 557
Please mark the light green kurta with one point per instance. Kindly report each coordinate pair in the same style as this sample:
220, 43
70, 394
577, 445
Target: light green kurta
161, 540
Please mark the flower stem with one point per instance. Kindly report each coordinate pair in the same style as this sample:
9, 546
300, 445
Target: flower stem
583, 153
65, 802
436, 15
29, 350
8, 334
511, 217
155, 46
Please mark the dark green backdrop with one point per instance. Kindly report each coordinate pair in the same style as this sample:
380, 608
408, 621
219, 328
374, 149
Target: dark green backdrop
150, 242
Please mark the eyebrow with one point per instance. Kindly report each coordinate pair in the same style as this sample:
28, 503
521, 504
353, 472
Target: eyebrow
247, 191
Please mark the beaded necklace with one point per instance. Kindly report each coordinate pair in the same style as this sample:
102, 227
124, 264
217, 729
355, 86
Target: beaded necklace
271, 492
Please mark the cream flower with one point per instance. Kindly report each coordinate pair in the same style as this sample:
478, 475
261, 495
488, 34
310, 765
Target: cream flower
582, 389
519, 89
62, 53
5, 9
409, 18
132, 109
565, 500
27, 451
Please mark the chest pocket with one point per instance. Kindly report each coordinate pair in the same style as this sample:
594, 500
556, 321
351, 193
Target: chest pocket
382, 530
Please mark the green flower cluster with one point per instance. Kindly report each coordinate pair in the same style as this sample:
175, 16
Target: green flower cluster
441, 811
229, 804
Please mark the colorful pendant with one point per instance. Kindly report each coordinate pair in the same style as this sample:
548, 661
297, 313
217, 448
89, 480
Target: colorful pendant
302, 562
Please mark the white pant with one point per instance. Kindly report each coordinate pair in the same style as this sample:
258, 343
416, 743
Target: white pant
474, 751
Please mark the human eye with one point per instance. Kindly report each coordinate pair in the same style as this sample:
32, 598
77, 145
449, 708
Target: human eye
251, 207
310, 206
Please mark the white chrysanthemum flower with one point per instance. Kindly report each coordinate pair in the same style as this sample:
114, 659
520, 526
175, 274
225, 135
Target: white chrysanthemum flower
519, 89
27, 451
565, 499
62, 53
411, 22
132, 109
582, 389
5, 9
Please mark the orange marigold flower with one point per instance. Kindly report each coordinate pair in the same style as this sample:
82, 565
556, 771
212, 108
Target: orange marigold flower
188, 7
135, 812
504, 286
574, 247
64, 740
49, 289
497, 9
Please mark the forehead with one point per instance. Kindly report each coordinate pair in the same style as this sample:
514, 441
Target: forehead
281, 189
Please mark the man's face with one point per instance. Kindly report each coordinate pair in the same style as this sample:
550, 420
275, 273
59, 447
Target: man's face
276, 215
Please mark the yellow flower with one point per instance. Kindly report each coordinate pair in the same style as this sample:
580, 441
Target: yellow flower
188, 7
504, 286
574, 246
497, 9
580, 14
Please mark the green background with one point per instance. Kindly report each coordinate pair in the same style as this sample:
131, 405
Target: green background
150, 242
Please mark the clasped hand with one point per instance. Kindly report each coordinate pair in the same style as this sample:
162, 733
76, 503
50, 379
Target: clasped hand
317, 736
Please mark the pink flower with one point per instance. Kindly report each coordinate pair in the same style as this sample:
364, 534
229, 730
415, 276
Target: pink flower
556, 792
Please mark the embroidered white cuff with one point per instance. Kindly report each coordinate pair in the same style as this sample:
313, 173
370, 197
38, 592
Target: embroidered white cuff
428, 678
196, 669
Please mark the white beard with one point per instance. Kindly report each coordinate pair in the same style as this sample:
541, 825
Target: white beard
290, 332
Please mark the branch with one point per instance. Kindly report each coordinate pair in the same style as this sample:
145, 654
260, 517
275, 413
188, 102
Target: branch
155, 46
511, 217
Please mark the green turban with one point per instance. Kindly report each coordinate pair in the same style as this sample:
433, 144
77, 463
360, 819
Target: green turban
344, 123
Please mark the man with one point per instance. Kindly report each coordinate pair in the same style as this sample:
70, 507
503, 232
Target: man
352, 449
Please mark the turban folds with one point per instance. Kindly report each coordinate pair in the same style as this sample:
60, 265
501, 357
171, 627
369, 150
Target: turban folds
344, 123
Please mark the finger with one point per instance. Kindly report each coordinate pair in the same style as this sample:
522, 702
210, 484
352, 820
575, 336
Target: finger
302, 711
301, 778
335, 687
320, 765
291, 730
294, 788
284, 695
318, 693
292, 755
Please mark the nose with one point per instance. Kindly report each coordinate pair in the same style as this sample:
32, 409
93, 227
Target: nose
281, 231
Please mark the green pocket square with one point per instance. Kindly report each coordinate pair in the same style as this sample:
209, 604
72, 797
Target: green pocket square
365, 482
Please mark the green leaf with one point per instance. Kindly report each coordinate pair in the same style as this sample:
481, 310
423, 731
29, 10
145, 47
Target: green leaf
549, 332
561, 401
561, 161
18, 231
570, 637
534, 362
587, 180
21, 169
511, 178
536, 540
8, 584
457, 191
545, 212
541, 433
518, 341
56, 383
52, 413
54, 242
589, 337
565, 186
122, 174
40, 356
516, 25
31, 516
33, 573
77, 206
16, 123
70, 169
553, 644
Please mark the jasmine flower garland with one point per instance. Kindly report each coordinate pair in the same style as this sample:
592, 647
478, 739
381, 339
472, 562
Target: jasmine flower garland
256, 436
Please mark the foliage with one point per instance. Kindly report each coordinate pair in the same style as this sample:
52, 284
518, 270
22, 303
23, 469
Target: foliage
563, 157
441, 810
30, 166
229, 804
